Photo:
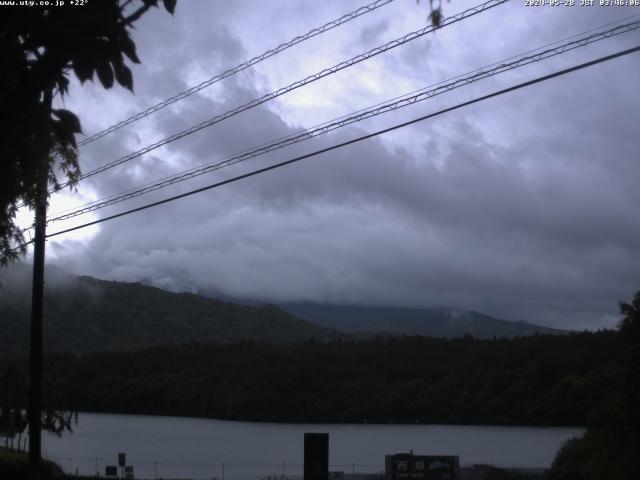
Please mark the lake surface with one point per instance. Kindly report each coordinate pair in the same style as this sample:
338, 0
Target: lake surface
178, 447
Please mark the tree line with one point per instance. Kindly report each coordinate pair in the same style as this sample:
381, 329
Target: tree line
538, 380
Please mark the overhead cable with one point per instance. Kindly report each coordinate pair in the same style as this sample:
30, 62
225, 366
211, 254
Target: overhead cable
243, 66
228, 73
295, 85
350, 142
380, 109
399, 97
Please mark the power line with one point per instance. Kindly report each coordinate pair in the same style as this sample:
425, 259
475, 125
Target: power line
228, 73
295, 85
243, 66
392, 105
355, 140
399, 97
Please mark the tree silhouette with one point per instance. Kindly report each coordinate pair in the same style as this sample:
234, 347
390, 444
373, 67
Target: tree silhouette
13, 399
630, 331
610, 447
57, 415
40, 48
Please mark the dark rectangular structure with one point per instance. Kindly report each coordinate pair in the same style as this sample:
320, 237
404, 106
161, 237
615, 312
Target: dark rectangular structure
406, 466
316, 456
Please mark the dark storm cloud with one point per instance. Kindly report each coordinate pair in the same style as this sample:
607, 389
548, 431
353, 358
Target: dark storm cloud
520, 208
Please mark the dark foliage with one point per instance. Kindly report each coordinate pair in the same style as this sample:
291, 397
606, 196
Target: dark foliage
599, 454
56, 416
14, 466
540, 380
40, 46
611, 447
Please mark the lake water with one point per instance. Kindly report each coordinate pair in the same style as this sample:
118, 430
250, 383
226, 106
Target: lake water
177, 447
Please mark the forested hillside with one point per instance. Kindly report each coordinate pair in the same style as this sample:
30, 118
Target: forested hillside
83, 314
539, 380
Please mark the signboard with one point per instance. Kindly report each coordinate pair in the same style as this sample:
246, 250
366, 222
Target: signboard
122, 459
405, 466
110, 471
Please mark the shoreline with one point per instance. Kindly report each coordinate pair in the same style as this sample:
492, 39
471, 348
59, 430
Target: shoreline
346, 423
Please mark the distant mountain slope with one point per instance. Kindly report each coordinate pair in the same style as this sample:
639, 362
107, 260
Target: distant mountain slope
83, 314
437, 322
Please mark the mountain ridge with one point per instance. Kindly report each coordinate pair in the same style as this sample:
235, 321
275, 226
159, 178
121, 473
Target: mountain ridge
90, 315
405, 319
437, 322
85, 314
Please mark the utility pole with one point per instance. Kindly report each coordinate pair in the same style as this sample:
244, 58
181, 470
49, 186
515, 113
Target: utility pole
37, 297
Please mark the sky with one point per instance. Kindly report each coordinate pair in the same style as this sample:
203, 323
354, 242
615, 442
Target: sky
520, 207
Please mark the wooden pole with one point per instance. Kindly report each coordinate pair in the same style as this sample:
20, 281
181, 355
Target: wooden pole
37, 297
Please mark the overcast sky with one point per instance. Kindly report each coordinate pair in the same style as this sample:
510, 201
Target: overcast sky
522, 207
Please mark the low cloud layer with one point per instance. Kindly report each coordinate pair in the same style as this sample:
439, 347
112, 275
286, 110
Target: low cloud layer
521, 207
